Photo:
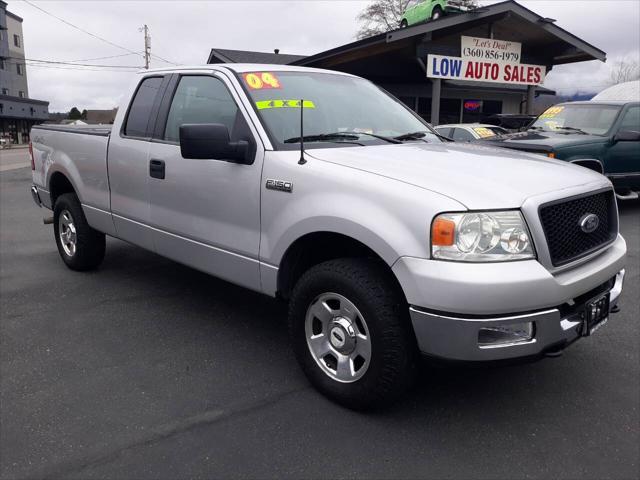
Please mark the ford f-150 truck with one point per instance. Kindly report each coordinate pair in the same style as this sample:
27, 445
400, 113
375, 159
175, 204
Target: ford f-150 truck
321, 189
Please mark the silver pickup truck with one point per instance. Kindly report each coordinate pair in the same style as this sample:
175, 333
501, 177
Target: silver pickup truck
321, 189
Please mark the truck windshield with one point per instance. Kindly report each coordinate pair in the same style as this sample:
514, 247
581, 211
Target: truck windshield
337, 109
591, 119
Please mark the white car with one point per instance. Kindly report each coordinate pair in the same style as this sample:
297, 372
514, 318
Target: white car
468, 132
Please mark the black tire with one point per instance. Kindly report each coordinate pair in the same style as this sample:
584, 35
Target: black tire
404, 23
437, 13
369, 287
90, 244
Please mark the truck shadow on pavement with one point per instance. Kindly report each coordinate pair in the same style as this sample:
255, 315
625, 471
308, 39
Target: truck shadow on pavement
232, 311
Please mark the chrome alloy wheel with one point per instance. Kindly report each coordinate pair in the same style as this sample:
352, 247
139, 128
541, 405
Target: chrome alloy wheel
338, 337
67, 233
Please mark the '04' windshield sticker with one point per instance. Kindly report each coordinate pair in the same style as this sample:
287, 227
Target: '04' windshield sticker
261, 80
265, 104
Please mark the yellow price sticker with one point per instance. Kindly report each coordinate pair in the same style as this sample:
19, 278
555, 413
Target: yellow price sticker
552, 112
483, 132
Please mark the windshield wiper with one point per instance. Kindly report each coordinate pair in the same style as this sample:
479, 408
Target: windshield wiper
326, 137
573, 129
381, 137
419, 136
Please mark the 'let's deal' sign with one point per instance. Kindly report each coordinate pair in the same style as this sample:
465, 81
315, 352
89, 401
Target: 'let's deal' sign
486, 60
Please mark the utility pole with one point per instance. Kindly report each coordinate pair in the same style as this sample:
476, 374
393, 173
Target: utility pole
147, 47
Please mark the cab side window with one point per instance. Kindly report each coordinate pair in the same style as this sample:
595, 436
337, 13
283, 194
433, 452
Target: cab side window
631, 120
201, 99
139, 121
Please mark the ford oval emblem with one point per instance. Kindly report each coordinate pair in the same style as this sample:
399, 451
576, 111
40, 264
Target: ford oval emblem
589, 223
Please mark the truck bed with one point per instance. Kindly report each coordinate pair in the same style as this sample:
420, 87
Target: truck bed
101, 130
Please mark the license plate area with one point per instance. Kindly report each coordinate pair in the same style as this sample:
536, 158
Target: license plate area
596, 314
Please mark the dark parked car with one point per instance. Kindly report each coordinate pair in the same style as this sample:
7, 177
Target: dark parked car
604, 136
511, 122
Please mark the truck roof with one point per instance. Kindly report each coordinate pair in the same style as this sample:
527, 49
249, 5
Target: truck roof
243, 67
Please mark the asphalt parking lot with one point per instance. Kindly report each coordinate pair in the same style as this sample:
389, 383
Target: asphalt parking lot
148, 369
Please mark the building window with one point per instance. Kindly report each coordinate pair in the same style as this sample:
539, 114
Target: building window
1, 34
21, 94
5, 91
20, 68
1, 63
16, 40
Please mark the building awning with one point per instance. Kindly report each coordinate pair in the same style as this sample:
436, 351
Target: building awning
495, 87
393, 54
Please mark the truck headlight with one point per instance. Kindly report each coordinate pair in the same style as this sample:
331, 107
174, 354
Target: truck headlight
481, 237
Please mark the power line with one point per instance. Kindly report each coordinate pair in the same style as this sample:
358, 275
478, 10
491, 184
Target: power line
80, 64
164, 59
36, 61
81, 69
104, 58
80, 29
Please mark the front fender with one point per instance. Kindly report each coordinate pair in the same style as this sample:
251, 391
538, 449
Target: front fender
390, 217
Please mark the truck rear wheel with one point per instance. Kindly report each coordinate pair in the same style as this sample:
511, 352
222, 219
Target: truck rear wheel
351, 333
80, 246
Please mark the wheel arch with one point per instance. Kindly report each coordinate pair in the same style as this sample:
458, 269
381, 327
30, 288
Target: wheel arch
590, 163
314, 248
59, 183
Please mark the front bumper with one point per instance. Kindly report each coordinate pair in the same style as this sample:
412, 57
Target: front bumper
458, 338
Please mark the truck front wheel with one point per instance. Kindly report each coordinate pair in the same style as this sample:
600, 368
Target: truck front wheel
80, 246
351, 333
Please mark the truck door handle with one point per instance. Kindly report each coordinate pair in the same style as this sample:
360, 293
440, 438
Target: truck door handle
156, 169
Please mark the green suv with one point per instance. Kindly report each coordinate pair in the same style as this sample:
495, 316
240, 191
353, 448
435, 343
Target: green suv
603, 136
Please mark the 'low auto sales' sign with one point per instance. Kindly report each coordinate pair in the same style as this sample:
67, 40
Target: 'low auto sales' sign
486, 60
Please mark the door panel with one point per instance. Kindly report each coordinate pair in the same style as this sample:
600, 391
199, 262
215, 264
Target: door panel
206, 213
128, 165
622, 158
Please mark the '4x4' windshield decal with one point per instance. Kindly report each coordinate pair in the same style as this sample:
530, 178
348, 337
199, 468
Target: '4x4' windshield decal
265, 104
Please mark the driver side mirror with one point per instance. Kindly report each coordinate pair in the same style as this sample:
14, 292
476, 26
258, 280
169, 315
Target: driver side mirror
627, 136
210, 141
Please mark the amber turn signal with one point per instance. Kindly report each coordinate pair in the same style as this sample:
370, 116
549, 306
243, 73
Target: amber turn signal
443, 232
551, 155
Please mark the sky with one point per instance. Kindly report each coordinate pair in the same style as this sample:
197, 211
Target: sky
183, 32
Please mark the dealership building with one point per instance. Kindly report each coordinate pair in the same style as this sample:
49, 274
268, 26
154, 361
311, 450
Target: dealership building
459, 68
18, 112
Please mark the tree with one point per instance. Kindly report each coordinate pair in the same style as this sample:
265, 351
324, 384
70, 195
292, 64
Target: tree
83, 115
624, 71
74, 114
384, 15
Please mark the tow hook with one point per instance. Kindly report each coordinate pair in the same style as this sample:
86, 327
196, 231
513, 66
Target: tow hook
615, 309
47, 220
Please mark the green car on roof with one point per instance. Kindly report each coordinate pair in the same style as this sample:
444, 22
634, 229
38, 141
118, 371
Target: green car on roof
421, 11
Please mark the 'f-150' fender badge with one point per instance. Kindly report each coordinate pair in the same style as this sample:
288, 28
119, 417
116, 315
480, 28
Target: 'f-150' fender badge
280, 185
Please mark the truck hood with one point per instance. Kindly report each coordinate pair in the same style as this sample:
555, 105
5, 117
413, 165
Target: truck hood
537, 140
477, 176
